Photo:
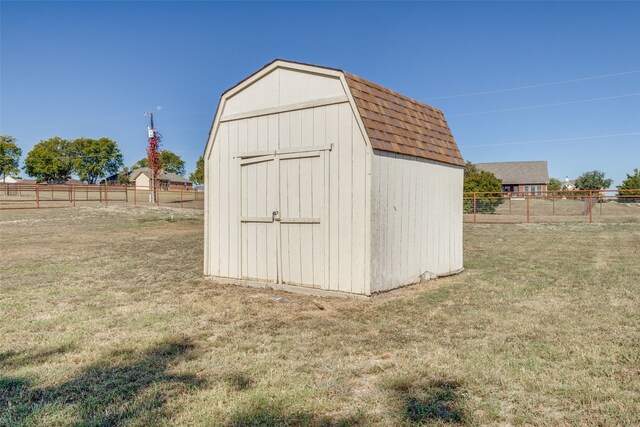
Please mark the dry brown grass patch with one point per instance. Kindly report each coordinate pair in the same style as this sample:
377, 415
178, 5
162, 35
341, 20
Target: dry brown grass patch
105, 319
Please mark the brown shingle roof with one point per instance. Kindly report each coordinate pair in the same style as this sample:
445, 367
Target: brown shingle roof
402, 125
533, 172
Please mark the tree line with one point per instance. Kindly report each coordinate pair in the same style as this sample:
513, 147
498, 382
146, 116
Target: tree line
54, 160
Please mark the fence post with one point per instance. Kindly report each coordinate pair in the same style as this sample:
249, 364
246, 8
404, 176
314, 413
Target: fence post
73, 195
180, 196
553, 205
474, 207
135, 195
600, 203
37, 197
590, 207
126, 194
106, 196
528, 196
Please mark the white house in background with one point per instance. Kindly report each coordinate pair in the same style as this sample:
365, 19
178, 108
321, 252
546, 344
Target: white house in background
568, 184
8, 179
320, 179
142, 179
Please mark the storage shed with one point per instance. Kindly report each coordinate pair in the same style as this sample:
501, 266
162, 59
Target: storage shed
318, 178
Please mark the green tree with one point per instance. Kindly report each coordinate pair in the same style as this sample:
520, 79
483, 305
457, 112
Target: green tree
630, 187
9, 156
593, 180
94, 159
142, 163
476, 180
169, 160
197, 177
554, 184
50, 161
123, 176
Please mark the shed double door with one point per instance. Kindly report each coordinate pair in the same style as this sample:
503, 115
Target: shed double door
283, 219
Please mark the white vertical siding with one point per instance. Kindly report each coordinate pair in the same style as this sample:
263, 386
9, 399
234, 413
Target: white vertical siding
234, 205
344, 216
342, 210
358, 211
416, 219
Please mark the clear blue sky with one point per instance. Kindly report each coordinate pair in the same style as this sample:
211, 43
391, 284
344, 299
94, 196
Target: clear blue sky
92, 69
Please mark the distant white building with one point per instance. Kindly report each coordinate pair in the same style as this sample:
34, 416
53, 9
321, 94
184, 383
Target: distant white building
568, 184
8, 179
142, 179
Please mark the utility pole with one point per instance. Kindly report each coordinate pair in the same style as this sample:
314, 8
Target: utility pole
153, 155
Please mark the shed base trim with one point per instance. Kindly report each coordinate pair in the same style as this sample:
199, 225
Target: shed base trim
282, 287
417, 282
313, 291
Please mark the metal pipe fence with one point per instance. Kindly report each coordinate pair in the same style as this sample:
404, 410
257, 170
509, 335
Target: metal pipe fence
38, 196
552, 206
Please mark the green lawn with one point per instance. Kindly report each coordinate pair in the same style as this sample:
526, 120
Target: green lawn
105, 320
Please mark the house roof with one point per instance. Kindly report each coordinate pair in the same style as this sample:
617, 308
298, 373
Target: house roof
23, 181
535, 172
164, 176
394, 122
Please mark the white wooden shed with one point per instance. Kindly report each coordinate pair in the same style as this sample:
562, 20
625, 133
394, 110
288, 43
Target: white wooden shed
318, 178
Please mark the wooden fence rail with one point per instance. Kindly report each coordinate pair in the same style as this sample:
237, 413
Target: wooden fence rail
36, 196
478, 207
552, 206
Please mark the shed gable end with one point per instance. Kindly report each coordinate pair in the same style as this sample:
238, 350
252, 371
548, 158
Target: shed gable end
281, 88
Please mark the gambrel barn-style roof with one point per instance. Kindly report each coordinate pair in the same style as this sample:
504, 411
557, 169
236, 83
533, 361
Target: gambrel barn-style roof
396, 123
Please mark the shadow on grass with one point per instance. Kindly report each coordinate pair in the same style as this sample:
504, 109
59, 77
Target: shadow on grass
272, 414
239, 381
107, 393
413, 401
13, 359
431, 402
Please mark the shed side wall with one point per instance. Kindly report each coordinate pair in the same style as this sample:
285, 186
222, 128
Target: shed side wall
416, 216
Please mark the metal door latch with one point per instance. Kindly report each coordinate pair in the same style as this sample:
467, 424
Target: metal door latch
275, 216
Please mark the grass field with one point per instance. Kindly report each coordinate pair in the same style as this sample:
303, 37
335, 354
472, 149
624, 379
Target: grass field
105, 320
